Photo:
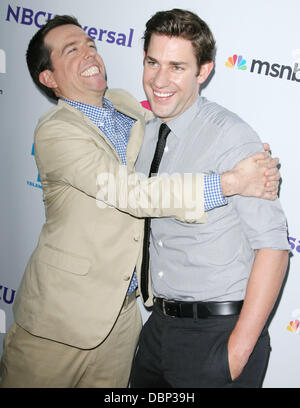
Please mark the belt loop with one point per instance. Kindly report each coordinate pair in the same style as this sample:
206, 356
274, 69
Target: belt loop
195, 311
164, 307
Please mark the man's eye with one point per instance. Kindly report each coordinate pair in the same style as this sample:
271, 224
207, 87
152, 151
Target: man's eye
71, 50
152, 63
177, 68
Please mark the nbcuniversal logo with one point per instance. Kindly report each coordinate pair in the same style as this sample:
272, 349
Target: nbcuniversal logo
275, 70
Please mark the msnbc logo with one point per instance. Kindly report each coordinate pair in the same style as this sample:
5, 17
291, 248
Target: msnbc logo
294, 325
260, 67
238, 61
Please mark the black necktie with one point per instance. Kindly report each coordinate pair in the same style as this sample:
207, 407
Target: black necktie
160, 146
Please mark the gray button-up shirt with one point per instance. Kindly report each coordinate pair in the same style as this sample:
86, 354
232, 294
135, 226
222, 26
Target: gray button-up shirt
211, 261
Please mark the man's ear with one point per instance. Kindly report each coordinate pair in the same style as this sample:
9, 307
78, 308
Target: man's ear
205, 71
46, 78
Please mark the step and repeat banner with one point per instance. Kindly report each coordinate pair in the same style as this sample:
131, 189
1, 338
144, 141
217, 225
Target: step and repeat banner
257, 75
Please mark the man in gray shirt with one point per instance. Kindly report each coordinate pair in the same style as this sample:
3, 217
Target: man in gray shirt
214, 284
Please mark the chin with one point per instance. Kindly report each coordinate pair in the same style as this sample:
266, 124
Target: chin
158, 110
161, 115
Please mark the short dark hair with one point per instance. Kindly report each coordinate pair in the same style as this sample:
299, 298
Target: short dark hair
38, 55
185, 24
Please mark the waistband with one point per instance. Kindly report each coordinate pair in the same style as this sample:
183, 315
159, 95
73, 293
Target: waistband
198, 309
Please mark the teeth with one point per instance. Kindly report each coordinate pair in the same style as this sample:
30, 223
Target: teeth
162, 95
91, 71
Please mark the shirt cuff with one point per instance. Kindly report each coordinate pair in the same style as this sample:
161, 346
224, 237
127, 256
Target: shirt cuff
212, 192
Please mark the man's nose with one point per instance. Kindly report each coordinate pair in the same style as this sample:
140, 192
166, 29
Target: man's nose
89, 52
161, 78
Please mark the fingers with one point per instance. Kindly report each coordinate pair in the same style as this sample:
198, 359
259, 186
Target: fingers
265, 157
269, 162
272, 174
271, 186
267, 195
260, 156
273, 162
270, 190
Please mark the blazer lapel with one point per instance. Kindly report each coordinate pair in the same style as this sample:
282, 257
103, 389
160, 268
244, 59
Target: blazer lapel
95, 132
136, 134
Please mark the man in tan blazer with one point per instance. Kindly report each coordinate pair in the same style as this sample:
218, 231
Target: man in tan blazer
76, 325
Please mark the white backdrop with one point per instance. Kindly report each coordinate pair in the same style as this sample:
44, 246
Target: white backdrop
263, 89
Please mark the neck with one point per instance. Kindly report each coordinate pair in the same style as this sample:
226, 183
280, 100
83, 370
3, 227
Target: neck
97, 100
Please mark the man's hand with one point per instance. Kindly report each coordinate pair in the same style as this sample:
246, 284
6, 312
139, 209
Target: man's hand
237, 357
256, 176
264, 284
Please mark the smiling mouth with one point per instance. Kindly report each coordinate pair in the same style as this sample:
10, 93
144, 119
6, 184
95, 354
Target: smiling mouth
163, 94
90, 72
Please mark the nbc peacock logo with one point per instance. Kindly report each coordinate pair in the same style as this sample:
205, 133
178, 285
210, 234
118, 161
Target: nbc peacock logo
236, 61
294, 325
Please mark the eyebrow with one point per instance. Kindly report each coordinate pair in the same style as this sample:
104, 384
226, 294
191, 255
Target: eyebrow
170, 62
68, 45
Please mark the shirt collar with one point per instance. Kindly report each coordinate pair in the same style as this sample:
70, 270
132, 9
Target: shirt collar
95, 113
178, 125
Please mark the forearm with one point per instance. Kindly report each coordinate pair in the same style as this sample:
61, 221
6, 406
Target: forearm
177, 195
264, 284
66, 155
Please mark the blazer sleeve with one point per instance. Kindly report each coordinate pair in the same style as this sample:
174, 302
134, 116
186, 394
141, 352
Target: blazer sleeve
66, 154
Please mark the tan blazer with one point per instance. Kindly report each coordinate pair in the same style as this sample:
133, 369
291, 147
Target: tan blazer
78, 276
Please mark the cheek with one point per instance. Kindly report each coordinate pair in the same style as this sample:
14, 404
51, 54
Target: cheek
145, 79
189, 88
146, 85
100, 62
183, 82
148, 75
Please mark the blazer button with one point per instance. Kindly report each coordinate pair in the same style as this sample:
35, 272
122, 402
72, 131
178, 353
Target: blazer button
126, 277
136, 238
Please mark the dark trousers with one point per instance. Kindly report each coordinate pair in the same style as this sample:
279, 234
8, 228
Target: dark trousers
189, 353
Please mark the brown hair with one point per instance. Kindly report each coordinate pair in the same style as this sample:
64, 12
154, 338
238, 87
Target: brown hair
185, 24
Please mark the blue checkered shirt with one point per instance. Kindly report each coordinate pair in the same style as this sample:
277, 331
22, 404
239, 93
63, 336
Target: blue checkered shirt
212, 192
116, 126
